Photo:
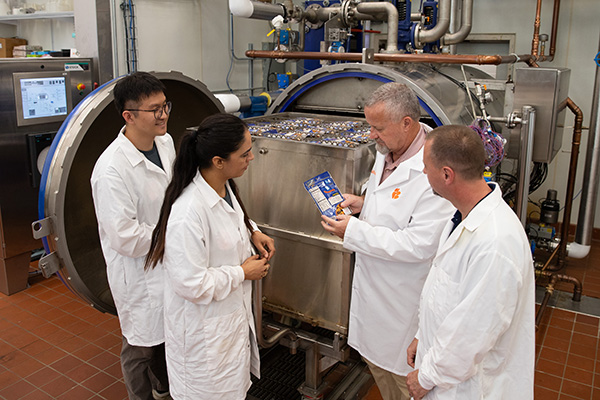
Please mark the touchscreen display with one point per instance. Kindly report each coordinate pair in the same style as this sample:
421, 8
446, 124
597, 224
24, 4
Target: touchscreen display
43, 97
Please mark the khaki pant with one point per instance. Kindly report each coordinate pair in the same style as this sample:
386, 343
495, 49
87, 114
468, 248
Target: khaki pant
391, 386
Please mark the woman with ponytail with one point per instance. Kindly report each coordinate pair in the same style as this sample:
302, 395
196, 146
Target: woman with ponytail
204, 241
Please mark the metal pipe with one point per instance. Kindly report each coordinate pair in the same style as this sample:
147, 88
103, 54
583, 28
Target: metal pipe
547, 295
325, 13
536, 29
398, 58
465, 27
302, 32
554, 32
554, 277
455, 23
440, 29
591, 174
115, 45
525, 157
271, 341
553, 38
392, 20
554, 253
564, 229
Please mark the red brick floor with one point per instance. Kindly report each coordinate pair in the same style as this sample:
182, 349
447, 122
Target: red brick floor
55, 346
567, 358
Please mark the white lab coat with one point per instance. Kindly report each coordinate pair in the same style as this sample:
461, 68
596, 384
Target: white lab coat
128, 191
477, 323
209, 327
395, 239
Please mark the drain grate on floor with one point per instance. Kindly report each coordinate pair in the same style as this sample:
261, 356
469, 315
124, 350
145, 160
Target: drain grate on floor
281, 374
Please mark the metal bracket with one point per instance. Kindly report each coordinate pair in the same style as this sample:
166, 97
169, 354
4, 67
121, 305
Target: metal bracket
49, 264
41, 228
368, 56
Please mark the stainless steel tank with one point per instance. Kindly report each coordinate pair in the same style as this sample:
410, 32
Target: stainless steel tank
312, 273
67, 218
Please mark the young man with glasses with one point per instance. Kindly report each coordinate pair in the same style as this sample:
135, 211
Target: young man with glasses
128, 185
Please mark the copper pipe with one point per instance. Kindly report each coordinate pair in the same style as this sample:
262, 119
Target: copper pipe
564, 229
547, 295
554, 278
550, 259
577, 286
553, 37
536, 29
554, 32
398, 58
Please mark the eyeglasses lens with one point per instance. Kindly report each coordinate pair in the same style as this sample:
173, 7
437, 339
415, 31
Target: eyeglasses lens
158, 113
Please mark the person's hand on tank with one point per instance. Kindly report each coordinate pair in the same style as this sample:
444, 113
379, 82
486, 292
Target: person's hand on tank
264, 244
336, 226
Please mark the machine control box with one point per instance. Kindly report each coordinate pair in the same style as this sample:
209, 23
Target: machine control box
545, 89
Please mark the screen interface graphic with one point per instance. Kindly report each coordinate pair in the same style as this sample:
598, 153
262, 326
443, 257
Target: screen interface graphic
44, 97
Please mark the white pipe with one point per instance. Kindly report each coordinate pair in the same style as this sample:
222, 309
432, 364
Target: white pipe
255, 9
241, 8
576, 250
230, 102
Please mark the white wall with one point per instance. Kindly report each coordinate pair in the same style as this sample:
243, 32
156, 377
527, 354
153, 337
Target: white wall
191, 36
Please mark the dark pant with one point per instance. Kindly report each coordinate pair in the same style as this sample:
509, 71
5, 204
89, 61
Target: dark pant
144, 369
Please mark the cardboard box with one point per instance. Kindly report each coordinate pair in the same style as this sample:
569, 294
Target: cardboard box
7, 44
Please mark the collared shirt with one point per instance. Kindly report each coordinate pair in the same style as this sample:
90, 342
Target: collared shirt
153, 156
416, 145
457, 218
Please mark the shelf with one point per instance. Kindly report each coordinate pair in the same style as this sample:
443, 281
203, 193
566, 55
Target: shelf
14, 19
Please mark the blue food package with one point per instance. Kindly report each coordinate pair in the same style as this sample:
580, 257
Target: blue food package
326, 195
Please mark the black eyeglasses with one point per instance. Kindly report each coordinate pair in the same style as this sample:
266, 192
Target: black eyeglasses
158, 112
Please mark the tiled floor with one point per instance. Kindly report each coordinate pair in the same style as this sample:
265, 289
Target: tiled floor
55, 346
567, 358
568, 362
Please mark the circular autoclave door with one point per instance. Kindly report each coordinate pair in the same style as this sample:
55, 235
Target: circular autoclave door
65, 192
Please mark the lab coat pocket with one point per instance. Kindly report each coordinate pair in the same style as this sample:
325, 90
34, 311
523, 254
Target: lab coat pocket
227, 349
155, 285
444, 293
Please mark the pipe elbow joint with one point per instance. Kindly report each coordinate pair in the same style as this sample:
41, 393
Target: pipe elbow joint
576, 250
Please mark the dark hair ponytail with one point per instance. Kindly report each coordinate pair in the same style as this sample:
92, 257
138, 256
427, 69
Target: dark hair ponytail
184, 171
218, 135
234, 188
